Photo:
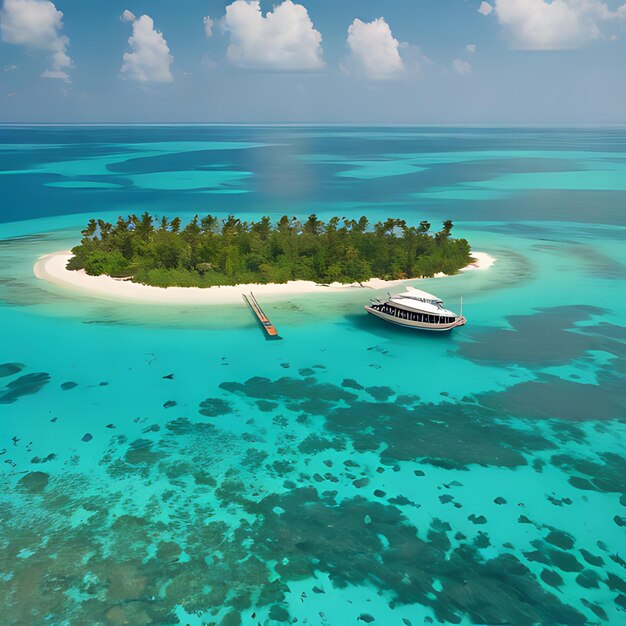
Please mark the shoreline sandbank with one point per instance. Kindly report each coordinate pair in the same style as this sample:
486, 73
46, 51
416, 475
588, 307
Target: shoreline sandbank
52, 268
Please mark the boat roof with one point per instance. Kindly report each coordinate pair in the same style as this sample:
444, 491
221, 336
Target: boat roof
420, 305
418, 294
419, 300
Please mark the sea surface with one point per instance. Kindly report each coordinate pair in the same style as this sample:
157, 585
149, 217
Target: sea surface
169, 465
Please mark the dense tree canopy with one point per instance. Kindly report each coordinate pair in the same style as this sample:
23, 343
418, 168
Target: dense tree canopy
208, 251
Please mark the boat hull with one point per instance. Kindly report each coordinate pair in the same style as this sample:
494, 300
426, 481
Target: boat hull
437, 328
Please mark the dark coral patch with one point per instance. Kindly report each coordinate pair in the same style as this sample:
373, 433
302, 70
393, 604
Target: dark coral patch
33, 482
10, 369
408, 433
496, 591
551, 397
266, 406
68, 385
541, 339
169, 404
596, 561
588, 579
168, 551
560, 539
287, 389
425, 432
380, 393
50, 457
565, 561
23, 386
596, 608
606, 476
350, 383
552, 578
314, 406
214, 407
142, 452
316, 443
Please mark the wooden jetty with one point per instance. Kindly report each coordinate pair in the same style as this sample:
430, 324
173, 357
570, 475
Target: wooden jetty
268, 327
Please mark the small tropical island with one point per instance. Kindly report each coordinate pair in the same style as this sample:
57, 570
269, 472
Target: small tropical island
209, 252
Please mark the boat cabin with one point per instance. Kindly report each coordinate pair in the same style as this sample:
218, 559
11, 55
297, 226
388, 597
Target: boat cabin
416, 309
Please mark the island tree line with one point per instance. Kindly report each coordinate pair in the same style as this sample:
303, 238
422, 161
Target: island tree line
211, 251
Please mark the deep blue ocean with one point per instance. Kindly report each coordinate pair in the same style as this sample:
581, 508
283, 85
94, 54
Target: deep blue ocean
168, 465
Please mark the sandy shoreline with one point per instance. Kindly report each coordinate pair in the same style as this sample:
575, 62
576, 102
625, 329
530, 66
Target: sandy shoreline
52, 268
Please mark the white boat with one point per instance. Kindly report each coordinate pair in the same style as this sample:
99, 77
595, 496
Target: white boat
416, 309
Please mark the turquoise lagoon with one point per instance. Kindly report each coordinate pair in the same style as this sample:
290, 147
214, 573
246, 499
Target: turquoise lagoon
168, 465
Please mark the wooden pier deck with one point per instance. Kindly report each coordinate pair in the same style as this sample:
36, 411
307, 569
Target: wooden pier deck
268, 327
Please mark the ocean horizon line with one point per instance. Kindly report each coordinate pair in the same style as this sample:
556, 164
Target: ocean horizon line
617, 125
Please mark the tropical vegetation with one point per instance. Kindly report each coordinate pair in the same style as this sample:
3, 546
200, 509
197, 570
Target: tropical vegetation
210, 251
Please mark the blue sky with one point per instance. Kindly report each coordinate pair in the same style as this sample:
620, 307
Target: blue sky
399, 61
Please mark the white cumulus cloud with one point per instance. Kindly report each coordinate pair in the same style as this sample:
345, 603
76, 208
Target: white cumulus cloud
461, 67
37, 24
282, 39
374, 51
554, 25
150, 58
208, 26
127, 16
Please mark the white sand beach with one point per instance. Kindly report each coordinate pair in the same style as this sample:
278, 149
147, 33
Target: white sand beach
52, 268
